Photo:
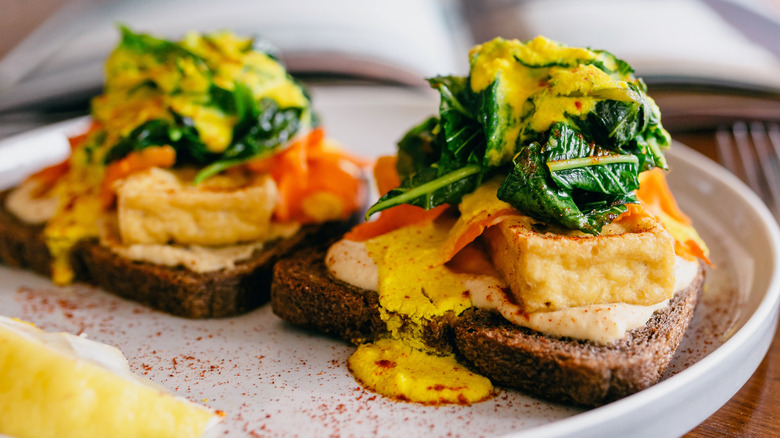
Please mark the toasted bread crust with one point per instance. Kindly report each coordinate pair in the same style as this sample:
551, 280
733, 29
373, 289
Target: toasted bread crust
175, 290
182, 292
305, 294
22, 244
573, 371
557, 369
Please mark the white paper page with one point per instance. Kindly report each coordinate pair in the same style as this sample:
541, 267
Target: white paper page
674, 40
402, 41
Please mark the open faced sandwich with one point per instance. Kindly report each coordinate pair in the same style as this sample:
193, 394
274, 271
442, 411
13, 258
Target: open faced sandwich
204, 164
526, 238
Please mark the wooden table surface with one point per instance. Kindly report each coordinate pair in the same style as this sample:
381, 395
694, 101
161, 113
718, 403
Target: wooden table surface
755, 410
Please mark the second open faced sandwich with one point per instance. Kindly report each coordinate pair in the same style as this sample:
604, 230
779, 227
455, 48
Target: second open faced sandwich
204, 164
526, 238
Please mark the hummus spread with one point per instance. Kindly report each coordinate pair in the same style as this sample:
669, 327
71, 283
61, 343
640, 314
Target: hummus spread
599, 323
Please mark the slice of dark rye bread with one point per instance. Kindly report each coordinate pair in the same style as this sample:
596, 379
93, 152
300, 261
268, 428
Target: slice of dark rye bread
557, 369
175, 290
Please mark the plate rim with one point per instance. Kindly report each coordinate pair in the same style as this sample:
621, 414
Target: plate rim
765, 313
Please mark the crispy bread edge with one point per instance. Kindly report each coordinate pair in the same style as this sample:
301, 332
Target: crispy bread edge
174, 290
21, 244
557, 369
305, 294
572, 371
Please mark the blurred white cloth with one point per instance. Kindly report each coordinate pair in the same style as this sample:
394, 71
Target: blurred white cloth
664, 40
401, 41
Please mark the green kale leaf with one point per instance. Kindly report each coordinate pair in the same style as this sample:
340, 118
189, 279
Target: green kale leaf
579, 172
441, 159
570, 181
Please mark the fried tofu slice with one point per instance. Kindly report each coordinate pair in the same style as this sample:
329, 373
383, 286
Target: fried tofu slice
159, 206
632, 261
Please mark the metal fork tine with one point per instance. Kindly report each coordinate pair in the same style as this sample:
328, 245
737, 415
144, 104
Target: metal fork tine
771, 165
756, 160
725, 150
760, 137
747, 155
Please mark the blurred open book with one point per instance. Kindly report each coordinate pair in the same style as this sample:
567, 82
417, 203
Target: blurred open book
400, 42
700, 69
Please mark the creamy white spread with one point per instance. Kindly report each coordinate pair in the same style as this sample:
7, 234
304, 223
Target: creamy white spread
197, 258
351, 262
193, 257
24, 204
599, 323
32, 209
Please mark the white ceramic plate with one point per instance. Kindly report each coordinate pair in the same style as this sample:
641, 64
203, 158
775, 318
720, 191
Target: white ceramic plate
273, 379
